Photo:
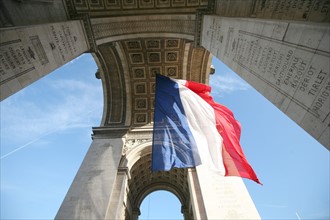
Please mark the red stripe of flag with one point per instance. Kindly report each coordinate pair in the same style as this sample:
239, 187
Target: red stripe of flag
230, 130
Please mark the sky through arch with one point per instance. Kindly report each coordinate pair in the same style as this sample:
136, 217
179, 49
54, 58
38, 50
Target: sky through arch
160, 204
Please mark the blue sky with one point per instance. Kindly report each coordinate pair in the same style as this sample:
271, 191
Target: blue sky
46, 131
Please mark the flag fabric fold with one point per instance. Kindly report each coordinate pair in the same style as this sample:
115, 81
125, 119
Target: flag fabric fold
191, 129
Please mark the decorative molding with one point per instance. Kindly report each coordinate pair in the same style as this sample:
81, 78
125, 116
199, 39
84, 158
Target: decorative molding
114, 85
134, 7
71, 9
132, 143
199, 20
110, 29
140, 133
109, 132
88, 30
145, 58
124, 170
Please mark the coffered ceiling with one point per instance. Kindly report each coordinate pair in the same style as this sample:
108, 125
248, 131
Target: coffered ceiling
129, 70
101, 8
133, 40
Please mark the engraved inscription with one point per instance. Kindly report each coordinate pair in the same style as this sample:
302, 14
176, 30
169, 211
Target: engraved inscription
39, 49
286, 68
292, 74
35, 51
305, 10
64, 41
321, 103
15, 60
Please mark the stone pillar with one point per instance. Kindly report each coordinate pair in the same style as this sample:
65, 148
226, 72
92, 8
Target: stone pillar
311, 10
90, 193
117, 206
217, 197
29, 53
196, 197
287, 62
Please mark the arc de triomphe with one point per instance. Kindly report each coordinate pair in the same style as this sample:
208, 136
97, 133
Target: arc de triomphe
279, 47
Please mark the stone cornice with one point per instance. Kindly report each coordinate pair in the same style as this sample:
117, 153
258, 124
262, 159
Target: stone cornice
114, 29
109, 132
199, 20
140, 133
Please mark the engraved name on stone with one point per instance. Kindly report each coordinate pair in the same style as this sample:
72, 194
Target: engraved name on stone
29, 53
301, 9
300, 72
304, 10
15, 59
25, 49
229, 192
63, 40
288, 69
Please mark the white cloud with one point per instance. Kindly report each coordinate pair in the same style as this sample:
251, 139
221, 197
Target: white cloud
25, 121
298, 216
227, 83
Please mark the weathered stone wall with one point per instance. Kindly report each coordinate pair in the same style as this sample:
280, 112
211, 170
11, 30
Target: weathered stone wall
24, 12
29, 53
298, 10
287, 62
218, 197
90, 192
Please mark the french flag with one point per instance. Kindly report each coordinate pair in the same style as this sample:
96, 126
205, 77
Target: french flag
191, 129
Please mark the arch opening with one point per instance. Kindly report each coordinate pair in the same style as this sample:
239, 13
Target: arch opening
143, 182
168, 208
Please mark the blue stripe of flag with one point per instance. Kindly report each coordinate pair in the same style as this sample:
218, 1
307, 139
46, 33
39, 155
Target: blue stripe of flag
173, 142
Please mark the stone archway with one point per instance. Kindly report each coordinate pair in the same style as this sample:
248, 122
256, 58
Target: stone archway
141, 181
